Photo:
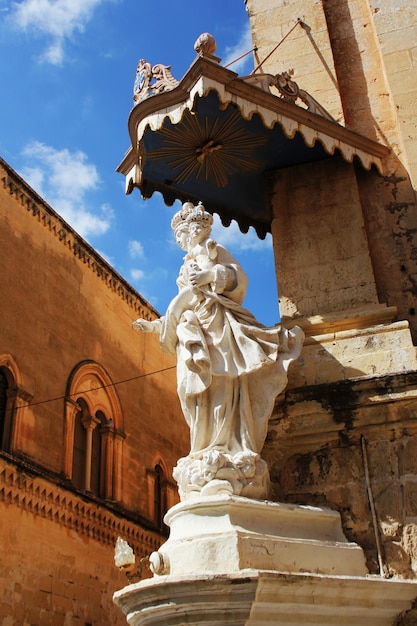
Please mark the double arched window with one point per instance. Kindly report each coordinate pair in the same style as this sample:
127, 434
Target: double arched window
93, 432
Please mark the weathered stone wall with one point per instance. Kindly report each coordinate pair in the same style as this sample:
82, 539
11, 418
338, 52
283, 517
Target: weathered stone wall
321, 441
374, 49
321, 249
343, 435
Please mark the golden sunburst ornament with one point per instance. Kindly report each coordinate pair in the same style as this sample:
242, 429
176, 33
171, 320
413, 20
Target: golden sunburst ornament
208, 149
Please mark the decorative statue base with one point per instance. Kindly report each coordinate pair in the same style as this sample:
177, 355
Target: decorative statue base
225, 534
217, 473
233, 561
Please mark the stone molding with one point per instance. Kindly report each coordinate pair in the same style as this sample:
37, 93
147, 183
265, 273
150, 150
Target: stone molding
36, 495
253, 597
321, 414
46, 216
360, 318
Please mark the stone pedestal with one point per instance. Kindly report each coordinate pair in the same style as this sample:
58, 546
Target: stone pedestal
225, 534
242, 562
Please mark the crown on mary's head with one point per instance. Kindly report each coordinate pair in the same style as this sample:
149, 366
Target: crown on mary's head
190, 213
199, 214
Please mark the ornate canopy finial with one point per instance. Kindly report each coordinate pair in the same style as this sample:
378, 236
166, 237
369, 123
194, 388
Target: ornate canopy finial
205, 45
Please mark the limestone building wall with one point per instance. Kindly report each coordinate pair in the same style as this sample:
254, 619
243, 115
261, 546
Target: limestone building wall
343, 434
357, 58
90, 420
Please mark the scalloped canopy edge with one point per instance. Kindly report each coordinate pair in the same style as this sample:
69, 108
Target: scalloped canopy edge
206, 97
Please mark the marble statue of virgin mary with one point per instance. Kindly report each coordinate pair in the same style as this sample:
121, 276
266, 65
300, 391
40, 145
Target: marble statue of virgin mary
230, 367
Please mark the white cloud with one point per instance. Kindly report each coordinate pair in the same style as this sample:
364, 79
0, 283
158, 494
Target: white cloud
54, 54
153, 285
236, 241
35, 177
234, 52
135, 249
58, 19
137, 275
63, 179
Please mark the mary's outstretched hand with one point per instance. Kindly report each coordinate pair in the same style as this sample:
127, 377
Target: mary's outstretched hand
147, 326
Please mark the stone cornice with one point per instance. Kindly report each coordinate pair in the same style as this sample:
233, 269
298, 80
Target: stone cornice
344, 411
37, 208
42, 497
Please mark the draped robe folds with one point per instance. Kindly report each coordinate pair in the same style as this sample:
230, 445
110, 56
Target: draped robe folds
230, 368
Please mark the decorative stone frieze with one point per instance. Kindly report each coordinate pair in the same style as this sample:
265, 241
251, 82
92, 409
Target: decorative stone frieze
40, 497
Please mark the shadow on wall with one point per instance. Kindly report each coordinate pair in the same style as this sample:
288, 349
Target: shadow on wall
389, 202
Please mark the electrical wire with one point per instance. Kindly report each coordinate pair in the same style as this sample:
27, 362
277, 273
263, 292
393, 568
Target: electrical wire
69, 395
383, 568
242, 56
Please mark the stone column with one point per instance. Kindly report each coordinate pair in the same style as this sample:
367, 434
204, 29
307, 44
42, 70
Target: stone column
17, 401
71, 410
106, 461
117, 464
89, 423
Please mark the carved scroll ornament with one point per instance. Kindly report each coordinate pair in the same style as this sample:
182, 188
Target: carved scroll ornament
145, 73
288, 91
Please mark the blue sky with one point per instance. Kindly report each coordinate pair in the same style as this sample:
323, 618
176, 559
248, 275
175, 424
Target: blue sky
67, 69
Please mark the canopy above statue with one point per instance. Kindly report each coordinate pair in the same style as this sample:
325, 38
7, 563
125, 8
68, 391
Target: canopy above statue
216, 137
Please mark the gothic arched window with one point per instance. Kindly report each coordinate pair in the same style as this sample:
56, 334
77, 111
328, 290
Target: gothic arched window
93, 435
161, 494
